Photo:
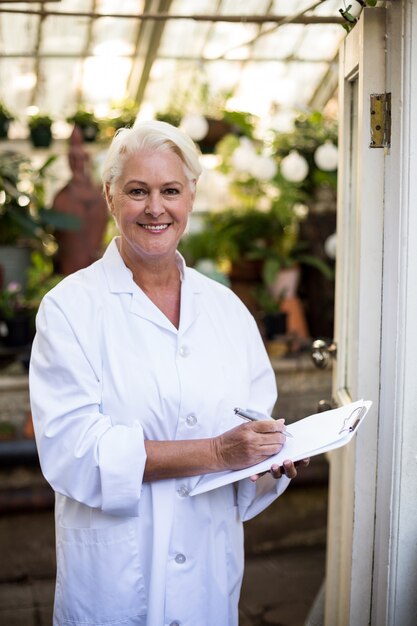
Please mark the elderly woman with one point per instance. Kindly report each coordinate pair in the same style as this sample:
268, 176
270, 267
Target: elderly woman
136, 368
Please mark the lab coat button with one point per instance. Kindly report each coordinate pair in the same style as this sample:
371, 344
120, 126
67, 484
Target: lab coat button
184, 351
175, 623
183, 491
191, 420
180, 558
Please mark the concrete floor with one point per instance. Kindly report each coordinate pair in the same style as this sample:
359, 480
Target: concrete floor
279, 590
285, 554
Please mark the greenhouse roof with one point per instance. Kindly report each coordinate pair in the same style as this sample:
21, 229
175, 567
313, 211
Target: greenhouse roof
272, 58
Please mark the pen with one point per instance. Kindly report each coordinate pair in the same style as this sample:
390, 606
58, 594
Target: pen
254, 416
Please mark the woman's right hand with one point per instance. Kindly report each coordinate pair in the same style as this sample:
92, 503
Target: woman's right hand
249, 443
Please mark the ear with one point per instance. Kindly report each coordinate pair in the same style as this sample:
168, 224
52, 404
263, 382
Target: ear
109, 198
193, 188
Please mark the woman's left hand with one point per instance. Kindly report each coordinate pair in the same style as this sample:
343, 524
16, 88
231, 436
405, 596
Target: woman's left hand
288, 468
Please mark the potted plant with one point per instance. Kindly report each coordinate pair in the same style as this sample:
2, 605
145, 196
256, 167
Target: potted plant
244, 241
257, 245
16, 328
86, 120
122, 115
310, 132
5, 118
170, 116
313, 136
26, 222
259, 235
8, 430
40, 130
274, 321
19, 304
224, 123
41, 278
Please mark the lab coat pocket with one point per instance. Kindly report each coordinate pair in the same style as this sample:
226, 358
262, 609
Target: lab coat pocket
99, 577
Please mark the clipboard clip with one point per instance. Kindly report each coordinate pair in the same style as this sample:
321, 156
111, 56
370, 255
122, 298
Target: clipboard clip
353, 420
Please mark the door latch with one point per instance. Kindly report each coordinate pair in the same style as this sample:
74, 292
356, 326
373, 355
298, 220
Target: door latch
322, 352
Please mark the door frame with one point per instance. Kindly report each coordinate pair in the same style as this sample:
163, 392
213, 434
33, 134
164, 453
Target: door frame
359, 271
395, 560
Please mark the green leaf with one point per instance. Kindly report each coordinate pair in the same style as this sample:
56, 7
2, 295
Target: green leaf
348, 16
270, 270
317, 263
47, 163
62, 221
24, 221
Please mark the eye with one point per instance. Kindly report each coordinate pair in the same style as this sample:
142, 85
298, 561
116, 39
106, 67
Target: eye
171, 191
137, 192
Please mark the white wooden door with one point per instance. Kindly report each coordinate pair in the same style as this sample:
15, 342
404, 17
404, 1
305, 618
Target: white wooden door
351, 523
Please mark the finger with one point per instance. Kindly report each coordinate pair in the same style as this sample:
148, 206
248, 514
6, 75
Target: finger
271, 438
281, 425
289, 469
271, 443
276, 471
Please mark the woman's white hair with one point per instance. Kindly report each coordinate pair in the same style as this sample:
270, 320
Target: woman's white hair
150, 135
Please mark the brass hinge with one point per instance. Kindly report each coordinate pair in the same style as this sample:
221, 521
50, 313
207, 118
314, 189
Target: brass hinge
380, 120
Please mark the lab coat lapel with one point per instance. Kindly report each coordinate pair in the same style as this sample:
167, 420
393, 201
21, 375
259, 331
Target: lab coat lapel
144, 307
120, 280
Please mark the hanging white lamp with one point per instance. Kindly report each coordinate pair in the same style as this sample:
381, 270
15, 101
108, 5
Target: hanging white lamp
244, 156
294, 167
326, 156
263, 168
196, 126
330, 246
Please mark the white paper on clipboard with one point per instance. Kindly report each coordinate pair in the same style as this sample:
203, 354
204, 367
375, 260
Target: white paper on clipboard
313, 435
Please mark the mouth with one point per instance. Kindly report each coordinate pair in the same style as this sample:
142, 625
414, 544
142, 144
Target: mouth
153, 228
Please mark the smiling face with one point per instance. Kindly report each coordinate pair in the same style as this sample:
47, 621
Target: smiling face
151, 202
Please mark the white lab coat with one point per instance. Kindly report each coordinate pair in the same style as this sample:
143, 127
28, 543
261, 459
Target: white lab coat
109, 370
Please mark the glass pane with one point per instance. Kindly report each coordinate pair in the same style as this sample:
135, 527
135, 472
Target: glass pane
188, 7
17, 82
350, 348
249, 7
104, 80
184, 38
280, 43
18, 33
76, 6
168, 85
57, 88
64, 34
128, 7
113, 37
230, 39
320, 44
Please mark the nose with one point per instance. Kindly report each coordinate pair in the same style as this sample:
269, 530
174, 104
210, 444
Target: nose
155, 205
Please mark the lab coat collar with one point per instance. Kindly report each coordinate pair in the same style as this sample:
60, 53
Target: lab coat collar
119, 277
120, 280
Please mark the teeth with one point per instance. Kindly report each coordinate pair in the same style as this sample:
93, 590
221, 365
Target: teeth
154, 227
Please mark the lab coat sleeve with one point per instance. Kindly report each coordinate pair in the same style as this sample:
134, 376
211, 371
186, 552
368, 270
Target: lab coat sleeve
252, 498
82, 454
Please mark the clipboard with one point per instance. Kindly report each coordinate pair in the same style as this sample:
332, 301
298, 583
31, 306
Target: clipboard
312, 435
